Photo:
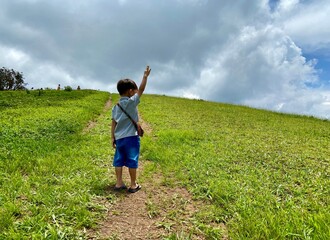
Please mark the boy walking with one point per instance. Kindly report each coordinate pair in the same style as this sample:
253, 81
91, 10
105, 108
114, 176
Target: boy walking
123, 132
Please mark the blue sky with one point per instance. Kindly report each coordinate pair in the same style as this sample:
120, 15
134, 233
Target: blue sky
265, 54
322, 55
322, 66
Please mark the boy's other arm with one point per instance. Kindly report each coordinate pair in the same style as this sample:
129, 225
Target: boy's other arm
113, 126
144, 81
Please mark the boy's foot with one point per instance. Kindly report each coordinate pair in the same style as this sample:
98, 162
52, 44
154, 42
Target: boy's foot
120, 188
134, 190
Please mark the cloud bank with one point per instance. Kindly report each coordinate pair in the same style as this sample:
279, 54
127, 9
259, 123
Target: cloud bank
243, 52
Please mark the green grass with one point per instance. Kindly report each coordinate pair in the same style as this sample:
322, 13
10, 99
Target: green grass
266, 174
51, 170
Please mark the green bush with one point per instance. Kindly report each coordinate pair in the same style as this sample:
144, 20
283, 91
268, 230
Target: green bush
68, 88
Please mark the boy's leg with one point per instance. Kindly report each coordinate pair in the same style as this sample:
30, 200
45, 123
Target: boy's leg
132, 174
133, 153
118, 163
119, 177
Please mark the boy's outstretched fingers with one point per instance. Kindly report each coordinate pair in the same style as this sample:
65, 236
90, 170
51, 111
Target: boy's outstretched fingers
147, 71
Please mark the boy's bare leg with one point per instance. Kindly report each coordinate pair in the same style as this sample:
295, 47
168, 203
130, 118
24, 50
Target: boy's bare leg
119, 176
132, 173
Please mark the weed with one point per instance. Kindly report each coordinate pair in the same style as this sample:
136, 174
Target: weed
152, 209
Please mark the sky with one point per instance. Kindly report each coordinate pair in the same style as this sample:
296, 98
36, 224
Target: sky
268, 54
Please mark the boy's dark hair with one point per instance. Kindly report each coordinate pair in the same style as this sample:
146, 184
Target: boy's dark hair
124, 85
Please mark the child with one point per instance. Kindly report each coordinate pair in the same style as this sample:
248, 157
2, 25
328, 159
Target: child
123, 132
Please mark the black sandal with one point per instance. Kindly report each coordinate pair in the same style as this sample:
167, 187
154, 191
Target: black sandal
120, 188
134, 190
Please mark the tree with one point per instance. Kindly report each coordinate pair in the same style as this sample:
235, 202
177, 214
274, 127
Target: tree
11, 80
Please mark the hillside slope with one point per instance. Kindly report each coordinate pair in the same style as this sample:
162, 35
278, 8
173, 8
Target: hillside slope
266, 174
50, 170
261, 174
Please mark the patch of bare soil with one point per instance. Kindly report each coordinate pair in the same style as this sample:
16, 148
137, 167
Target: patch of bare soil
153, 212
91, 124
146, 127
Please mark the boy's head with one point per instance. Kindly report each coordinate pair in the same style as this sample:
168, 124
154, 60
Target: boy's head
125, 85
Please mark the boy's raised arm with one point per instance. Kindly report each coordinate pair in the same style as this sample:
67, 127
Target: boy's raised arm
144, 81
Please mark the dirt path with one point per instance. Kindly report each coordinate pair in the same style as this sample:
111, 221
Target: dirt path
93, 123
154, 212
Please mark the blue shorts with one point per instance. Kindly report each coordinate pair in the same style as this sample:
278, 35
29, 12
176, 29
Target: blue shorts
127, 152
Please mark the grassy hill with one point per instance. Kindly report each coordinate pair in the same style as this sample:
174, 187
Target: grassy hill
50, 170
264, 174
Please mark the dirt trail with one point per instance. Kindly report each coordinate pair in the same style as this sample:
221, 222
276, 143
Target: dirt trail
153, 212
93, 123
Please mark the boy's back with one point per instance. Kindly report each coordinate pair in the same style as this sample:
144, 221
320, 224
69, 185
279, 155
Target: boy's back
125, 127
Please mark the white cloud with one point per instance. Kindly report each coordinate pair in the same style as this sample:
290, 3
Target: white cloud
307, 22
12, 57
262, 68
40, 74
287, 5
190, 95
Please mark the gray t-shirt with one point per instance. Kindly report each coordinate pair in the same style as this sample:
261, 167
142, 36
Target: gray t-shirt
125, 127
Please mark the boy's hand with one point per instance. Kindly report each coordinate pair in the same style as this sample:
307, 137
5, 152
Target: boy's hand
147, 72
144, 81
